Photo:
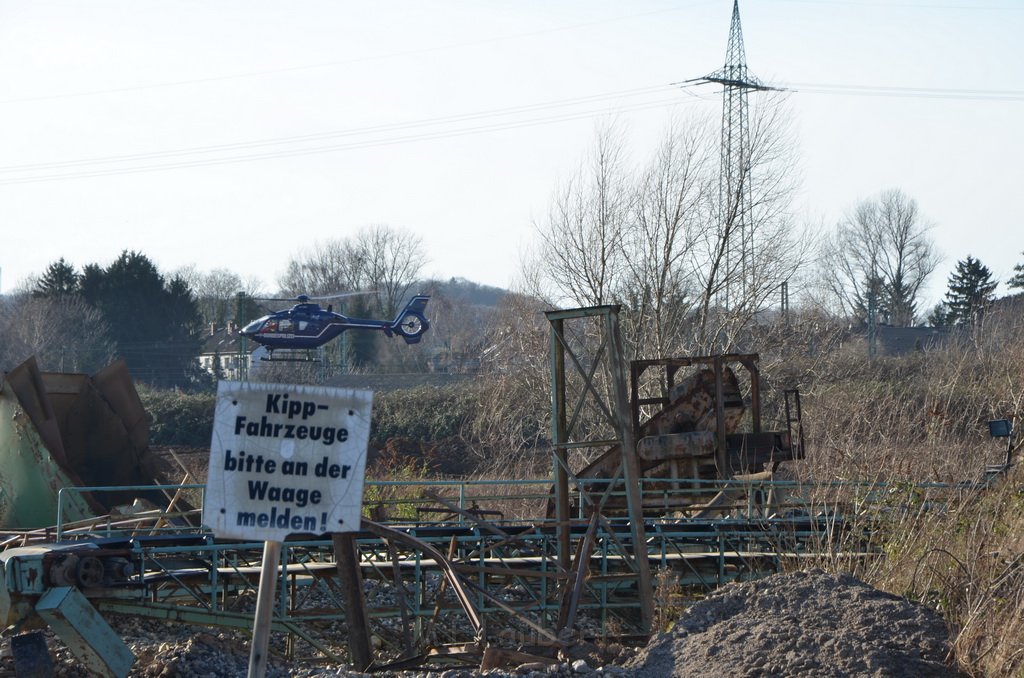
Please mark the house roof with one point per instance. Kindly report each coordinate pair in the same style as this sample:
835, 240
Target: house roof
224, 341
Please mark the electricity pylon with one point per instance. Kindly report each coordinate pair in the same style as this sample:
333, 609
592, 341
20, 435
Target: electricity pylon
735, 192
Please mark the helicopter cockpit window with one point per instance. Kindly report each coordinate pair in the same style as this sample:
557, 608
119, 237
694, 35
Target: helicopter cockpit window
286, 325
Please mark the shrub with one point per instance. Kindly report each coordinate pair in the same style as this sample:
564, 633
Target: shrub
178, 418
424, 413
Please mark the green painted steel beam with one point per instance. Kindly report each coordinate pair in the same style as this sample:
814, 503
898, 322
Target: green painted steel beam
31, 477
89, 637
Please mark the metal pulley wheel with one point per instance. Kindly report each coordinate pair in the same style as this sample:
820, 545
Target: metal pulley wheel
89, 572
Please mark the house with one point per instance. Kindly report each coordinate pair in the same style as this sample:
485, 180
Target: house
225, 353
894, 341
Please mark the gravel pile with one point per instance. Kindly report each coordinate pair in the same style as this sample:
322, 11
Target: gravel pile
800, 624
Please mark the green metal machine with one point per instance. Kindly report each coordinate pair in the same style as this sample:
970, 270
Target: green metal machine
62, 430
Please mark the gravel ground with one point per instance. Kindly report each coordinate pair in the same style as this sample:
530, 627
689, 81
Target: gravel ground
794, 625
181, 651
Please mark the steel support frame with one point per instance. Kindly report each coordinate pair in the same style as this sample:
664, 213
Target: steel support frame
584, 361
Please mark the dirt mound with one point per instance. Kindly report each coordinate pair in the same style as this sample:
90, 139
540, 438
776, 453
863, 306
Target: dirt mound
800, 624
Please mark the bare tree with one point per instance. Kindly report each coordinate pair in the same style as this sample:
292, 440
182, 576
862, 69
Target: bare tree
581, 250
512, 424
63, 332
755, 246
327, 267
880, 255
216, 292
659, 242
378, 258
391, 261
458, 332
670, 216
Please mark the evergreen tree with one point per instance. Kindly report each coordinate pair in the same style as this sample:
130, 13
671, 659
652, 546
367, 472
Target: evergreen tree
155, 324
873, 298
90, 283
184, 333
59, 280
1017, 281
940, 317
360, 348
971, 291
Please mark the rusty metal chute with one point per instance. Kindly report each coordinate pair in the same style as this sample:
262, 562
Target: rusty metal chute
706, 401
70, 430
692, 430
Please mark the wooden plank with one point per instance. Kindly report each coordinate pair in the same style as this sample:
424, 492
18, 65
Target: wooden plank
350, 575
264, 610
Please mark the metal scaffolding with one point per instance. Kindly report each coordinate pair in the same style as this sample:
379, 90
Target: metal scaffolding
593, 347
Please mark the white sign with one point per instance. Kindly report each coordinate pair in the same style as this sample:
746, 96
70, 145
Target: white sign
286, 459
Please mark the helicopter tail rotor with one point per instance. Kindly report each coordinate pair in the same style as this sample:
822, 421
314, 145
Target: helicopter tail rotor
411, 323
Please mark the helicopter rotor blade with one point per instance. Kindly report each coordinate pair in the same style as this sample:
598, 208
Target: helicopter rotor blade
341, 295
305, 297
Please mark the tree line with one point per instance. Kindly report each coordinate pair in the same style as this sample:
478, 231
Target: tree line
78, 320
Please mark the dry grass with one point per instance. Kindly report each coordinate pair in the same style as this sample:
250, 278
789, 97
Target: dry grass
957, 550
912, 422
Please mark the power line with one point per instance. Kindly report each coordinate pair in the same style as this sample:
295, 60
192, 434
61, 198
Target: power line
191, 157
389, 127
886, 91
887, 4
356, 145
908, 92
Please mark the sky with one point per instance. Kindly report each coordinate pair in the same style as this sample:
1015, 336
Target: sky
239, 133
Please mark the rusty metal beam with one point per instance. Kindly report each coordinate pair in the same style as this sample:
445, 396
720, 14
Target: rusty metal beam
454, 580
559, 437
631, 472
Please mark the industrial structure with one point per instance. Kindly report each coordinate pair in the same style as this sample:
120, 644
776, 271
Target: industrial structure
486, 572
665, 483
661, 468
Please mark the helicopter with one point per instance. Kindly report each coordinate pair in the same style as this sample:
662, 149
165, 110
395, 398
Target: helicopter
307, 325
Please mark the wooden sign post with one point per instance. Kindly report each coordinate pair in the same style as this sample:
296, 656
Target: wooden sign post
284, 459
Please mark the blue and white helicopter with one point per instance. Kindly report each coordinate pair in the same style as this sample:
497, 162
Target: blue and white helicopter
307, 325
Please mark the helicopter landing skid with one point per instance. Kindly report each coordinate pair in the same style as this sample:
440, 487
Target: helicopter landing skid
289, 357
